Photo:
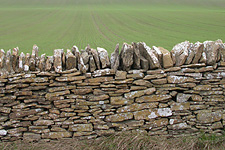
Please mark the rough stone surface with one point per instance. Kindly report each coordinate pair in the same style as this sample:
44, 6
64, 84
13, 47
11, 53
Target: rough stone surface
104, 57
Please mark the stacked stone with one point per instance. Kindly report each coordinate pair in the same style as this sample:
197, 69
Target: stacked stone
62, 99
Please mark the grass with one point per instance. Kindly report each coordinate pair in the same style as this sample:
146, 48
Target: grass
125, 141
56, 24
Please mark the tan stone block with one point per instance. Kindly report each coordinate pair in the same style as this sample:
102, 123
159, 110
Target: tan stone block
159, 81
158, 123
81, 127
216, 125
119, 117
180, 106
99, 79
105, 132
31, 137
155, 76
120, 101
21, 114
70, 79
137, 107
77, 134
135, 94
136, 76
153, 98
203, 87
209, 117
151, 114
179, 79
56, 135
98, 98
43, 122
82, 91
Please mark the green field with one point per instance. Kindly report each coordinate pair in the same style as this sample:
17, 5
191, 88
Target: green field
53, 24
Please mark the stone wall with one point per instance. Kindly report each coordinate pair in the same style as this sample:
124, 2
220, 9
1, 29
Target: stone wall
85, 94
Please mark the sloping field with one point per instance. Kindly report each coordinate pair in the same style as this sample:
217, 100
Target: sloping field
55, 24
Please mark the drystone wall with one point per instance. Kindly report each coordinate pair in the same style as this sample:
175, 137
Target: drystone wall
85, 94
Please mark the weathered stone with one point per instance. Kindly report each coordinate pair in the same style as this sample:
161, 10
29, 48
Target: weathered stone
103, 72
49, 63
96, 58
104, 57
92, 64
31, 137
153, 98
198, 49
105, 132
85, 56
183, 97
56, 94
8, 61
2, 58
126, 57
180, 53
69, 79
172, 69
159, 81
180, 106
43, 122
157, 123
42, 64
71, 61
120, 101
58, 60
115, 60
151, 114
121, 75
154, 76
179, 126
148, 54
135, 94
191, 54
136, 75
211, 49
81, 127
158, 54
21, 114
99, 79
137, 60
15, 56
197, 107
57, 135
137, 107
82, 91
142, 83
22, 93
209, 117
202, 88
97, 98
167, 61
119, 117
179, 79
144, 63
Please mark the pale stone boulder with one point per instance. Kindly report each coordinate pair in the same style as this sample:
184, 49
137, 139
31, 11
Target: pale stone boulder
222, 52
115, 60
191, 54
42, 62
8, 61
2, 58
34, 57
85, 56
27, 64
104, 57
198, 49
203, 58
148, 54
126, 57
96, 58
158, 54
58, 60
21, 62
15, 56
167, 61
137, 60
211, 49
92, 64
49, 63
180, 53
70, 60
